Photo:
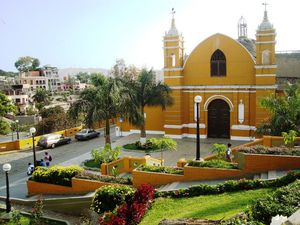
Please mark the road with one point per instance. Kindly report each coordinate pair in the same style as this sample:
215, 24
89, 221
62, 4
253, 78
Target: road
72, 153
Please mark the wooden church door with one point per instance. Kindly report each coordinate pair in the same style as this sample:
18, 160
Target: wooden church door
218, 119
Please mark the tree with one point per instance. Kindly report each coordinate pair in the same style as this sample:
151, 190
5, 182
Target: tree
27, 63
165, 143
285, 112
98, 103
41, 98
6, 106
83, 77
54, 119
121, 70
137, 94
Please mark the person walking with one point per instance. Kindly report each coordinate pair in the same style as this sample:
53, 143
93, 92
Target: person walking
228, 153
30, 169
47, 159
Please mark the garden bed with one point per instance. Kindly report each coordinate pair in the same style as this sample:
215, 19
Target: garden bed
109, 179
213, 164
134, 147
259, 149
90, 164
160, 169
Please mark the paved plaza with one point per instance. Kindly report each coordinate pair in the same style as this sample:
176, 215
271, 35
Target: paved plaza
76, 152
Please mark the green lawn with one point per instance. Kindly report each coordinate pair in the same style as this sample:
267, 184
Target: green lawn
92, 164
203, 207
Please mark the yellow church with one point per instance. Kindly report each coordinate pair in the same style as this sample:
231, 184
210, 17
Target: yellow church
230, 75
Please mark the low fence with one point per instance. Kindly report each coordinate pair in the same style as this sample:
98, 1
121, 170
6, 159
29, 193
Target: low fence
27, 143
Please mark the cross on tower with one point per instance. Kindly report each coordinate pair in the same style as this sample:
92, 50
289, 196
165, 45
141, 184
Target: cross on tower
265, 4
173, 13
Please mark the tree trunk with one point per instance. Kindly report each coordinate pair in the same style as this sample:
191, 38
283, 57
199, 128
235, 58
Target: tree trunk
143, 129
107, 132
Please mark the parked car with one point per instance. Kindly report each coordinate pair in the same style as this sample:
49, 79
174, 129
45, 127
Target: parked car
53, 140
86, 134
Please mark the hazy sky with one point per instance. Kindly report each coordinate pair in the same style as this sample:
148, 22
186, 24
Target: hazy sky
94, 33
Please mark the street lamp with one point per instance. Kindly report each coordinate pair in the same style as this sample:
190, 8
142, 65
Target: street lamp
32, 131
197, 100
17, 128
6, 169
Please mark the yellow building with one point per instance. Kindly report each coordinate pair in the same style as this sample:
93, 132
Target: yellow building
230, 75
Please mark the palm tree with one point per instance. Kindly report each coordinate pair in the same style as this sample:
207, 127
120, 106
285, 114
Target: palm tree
98, 103
144, 91
41, 98
285, 112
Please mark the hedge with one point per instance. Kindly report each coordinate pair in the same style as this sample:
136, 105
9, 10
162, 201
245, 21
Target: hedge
230, 186
59, 175
259, 149
108, 197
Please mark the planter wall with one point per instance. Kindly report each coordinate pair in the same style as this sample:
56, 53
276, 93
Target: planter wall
190, 174
205, 173
155, 179
79, 186
253, 163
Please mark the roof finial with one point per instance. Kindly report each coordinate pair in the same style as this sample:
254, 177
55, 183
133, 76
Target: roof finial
173, 13
173, 31
265, 4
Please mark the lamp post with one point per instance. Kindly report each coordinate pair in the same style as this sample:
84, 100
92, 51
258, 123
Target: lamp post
17, 128
32, 131
6, 169
197, 100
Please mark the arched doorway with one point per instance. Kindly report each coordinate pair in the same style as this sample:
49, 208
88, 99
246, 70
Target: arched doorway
218, 119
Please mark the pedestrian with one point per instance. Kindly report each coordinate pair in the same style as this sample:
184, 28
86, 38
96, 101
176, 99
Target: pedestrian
42, 163
47, 159
30, 169
228, 152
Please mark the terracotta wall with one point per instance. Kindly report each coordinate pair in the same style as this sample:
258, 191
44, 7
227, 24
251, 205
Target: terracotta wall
79, 186
255, 163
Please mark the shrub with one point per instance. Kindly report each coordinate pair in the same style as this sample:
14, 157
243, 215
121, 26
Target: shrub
213, 164
230, 186
289, 138
284, 201
258, 149
160, 169
56, 174
106, 154
219, 149
4, 127
108, 197
109, 179
131, 213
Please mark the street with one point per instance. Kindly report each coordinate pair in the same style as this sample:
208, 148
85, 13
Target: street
78, 151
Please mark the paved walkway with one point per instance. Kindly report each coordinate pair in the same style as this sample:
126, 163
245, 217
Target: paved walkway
186, 149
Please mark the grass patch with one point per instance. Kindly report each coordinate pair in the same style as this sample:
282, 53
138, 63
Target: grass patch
213, 164
90, 163
203, 207
134, 147
161, 169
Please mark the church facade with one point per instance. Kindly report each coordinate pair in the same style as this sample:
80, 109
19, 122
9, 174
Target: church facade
231, 76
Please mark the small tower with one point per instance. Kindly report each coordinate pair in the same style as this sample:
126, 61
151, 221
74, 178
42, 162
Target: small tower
242, 28
173, 47
173, 76
265, 68
265, 42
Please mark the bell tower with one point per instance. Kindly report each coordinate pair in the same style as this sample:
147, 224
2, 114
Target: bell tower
265, 68
173, 76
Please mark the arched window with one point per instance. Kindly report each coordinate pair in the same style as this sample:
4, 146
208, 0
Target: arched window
266, 57
218, 64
